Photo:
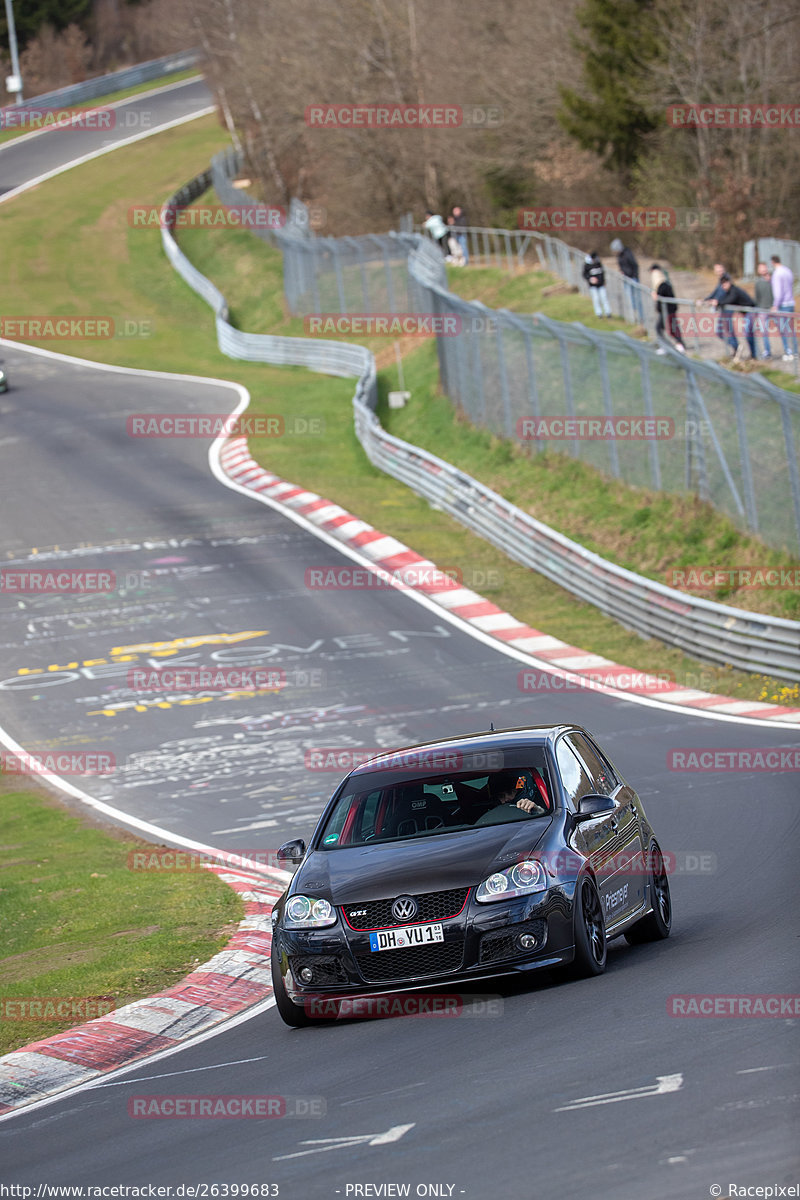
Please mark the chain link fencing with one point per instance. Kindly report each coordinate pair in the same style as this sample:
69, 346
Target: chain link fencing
731, 438
715, 632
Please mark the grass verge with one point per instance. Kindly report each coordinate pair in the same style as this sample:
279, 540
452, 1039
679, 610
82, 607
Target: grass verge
78, 923
94, 263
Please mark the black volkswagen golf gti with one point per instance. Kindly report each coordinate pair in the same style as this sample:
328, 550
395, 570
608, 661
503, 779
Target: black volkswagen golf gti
458, 860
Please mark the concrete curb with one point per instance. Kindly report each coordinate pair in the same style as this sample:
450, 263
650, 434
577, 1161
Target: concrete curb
392, 556
230, 982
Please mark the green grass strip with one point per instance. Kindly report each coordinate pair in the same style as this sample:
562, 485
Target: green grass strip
78, 922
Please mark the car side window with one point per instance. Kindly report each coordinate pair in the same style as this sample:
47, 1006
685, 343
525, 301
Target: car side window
573, 774
369, 814
605, 782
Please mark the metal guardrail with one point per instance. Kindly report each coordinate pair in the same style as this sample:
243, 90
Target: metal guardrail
115, 81
714, 632
736, 436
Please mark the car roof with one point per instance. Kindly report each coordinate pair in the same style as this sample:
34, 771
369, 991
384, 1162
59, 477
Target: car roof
496, 739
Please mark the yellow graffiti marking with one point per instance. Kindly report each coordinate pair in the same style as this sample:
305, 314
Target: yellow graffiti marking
185, 643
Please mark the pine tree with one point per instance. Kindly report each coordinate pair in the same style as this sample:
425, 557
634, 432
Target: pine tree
608, 115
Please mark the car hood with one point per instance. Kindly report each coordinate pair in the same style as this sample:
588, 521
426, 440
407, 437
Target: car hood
379, 872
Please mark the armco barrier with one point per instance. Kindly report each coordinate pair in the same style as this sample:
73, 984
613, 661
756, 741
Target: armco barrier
715, 632
115, 81
736, 436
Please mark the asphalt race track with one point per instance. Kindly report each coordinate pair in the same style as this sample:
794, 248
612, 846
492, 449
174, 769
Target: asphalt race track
583, 1089
29, 158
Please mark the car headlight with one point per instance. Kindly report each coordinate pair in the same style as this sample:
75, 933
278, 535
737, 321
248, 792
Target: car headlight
519, 880
304, 912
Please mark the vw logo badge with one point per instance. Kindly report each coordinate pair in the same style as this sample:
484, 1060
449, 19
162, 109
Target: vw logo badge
404, 908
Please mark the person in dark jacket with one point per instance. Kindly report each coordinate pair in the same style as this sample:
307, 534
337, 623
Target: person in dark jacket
595, 276
734, 297
629, 269
662, 292
721, 327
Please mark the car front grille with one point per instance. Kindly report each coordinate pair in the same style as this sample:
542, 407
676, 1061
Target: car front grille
501, 943
381, 966
433, 906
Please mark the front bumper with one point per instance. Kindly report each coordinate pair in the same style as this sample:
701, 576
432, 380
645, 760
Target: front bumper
480, 943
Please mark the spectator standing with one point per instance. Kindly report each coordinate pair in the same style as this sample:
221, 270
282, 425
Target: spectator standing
595, 276
629, 268
713, 297
666, 313
435, 226
763, 304
783, 302
460, 220
735, 297
456, 255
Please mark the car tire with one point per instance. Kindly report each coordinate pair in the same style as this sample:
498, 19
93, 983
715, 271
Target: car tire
293, 1014
657, 924
591, 948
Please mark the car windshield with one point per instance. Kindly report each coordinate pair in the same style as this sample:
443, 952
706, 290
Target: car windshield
375, 809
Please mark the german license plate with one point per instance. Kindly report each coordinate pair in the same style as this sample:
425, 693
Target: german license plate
406, 937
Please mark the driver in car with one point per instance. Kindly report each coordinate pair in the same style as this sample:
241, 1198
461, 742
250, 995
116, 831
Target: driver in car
507, 790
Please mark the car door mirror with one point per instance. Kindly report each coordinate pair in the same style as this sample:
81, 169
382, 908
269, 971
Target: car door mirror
291, 854
594, 805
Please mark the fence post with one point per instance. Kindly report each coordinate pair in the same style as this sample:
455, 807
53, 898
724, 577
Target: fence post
569, 398
613, 453
744, 455
647, 397
501, 366
695, 451
791, 459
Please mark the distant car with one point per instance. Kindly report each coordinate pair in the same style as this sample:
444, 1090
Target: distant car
460, 860
3, 381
